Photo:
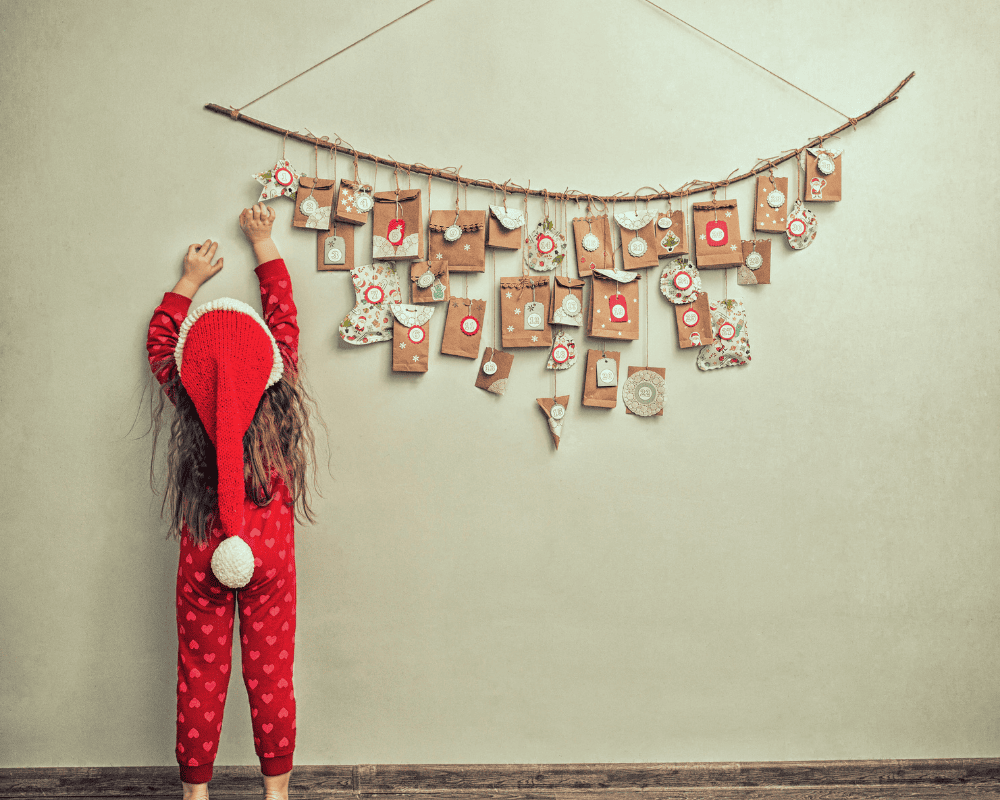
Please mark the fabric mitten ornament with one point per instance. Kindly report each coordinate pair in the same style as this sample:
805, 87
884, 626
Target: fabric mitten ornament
680, 281
730, 346
801, 227
554, 409
376, 287
227, 358
563, 353
279, 181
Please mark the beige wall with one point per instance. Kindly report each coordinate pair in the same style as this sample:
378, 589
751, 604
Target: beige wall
798, 561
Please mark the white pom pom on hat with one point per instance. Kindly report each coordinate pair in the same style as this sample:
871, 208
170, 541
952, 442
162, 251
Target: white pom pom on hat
232, 563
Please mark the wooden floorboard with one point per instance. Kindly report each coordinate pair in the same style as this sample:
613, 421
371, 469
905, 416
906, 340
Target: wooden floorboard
836, 780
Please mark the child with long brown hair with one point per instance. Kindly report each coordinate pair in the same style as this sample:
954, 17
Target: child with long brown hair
240, 443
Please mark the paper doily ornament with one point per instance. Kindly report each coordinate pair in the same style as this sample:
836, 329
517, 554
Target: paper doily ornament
453, 233
801, 227
637, 247
546, 247
755, 260
680, 281
643, 393
634, 220
775, 198
510, 218
590, 242
280, 180
309, 206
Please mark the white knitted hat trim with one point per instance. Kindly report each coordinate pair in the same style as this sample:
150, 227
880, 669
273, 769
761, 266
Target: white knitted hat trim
229, 304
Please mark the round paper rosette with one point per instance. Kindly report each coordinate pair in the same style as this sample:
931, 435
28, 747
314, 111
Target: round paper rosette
643, 393
680, 282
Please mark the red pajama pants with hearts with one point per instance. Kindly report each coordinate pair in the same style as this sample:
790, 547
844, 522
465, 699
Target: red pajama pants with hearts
205, 624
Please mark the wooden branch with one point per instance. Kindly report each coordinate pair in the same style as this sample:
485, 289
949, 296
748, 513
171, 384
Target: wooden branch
449, 174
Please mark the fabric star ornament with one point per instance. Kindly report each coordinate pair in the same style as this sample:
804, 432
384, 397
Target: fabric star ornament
282, 180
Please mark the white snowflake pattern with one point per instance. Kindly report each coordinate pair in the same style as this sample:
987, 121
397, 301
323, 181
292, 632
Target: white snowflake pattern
509, 295
439, 256
534, 338
468, 247
619, 333
603, 326
416, 358
517, 311
729, 213
732, 247
402, 345
510, 329
605, 297
702, 237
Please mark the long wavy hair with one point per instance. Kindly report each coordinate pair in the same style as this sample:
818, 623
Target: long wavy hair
280, 438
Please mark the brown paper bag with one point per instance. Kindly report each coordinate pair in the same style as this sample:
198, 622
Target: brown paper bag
770, 208
600, 396
410, 337
661, 371
717, 234
613, 308
755, 269
694, 331
467, 253
354, 201
463, 327
554, 409
494, 370
566, 307
333, 255
601, 254
671, 240
313, 203
524, 325
397, 225
505, 229
638, 238
438, 288
823, 168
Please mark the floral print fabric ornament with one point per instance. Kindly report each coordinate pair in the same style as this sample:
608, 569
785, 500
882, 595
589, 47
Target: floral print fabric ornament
546, 247
377, 288
801, 227
279, 181
563, 354
680, 282
730, 346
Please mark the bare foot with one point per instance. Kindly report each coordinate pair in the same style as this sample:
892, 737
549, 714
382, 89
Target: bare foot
276, 786
195, 791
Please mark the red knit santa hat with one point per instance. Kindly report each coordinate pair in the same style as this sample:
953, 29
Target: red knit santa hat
227, 358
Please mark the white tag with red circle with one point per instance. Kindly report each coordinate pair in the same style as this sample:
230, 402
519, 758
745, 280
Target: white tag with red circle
396, 232
683, 281
415, 334
469, 325
560, 354
619, 307
545, 244
796, 226
727, 331
717, 232
283, 176
374, 295
690, 317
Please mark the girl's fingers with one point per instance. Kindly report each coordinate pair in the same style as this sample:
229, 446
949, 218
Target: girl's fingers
192, 249
211, 251
217, 266
208, 243
271, 214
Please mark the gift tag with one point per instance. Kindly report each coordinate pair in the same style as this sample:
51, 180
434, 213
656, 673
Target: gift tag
801, 227
560, 354
395, 234
534, 316
755, 260
690, 317
469, 326
374, 295
283, 177
727, 331
607, 372
545, 244
309, 206
490, 367
363, 202
558, 411
619, 308
453, 233
334, 250
571, 305
426, 280
683, 281
437, 293
825, 164
664, 222
775, 198
590, 242
416, 334
717, 232
670, 241
637, 247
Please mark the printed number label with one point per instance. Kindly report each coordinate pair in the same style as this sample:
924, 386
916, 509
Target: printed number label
470, 326
619, 308
717, 232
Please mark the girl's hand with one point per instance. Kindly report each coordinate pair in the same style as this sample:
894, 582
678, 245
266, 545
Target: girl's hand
198, 268
256, 222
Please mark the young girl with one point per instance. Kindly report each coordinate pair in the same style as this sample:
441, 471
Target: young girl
239, 444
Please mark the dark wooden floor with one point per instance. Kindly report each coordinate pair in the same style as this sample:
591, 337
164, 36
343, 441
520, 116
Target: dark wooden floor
946, 779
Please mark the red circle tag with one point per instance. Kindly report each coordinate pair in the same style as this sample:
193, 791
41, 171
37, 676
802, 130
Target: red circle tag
682, 281
690, 317
560, 354
727, 331
470, 326
546, 244
283, 176
416, 334
374, 294
796, 227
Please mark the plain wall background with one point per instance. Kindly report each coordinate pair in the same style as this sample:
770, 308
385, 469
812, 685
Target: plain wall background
798, 561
